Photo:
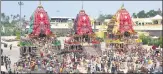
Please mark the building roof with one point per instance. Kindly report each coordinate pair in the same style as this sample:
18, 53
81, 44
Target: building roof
157, 17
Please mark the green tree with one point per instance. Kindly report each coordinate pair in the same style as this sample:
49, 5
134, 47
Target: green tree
151, 13
2, 17
160, 42
10, 23
134, 15
101, 18
142, 14
145, 39
141, 36
109, 16
18, 35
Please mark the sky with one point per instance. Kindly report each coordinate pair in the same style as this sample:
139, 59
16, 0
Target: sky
71, 8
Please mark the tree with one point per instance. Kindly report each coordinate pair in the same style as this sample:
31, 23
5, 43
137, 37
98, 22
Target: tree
2, 16
18, 35
134, 15
145, 39
152, 13
102, 17
109, 16
142, 14
160, 42
10, 23
17, 15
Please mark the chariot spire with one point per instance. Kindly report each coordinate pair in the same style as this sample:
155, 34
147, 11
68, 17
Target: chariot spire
40, 3
122, 7
82, 5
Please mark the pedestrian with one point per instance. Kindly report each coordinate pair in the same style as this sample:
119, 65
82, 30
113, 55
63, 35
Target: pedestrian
61, 69
93, 70
10, 46
2, 72
6, 65
51, 70
2, 60
10, 72
113, 69
89, 67
9, 62
5, 58
39, 64
109, 63
1, 51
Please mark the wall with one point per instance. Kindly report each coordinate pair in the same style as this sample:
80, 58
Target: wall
153, 32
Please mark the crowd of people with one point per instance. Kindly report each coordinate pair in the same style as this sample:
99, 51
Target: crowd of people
131, 59
5, 61
135, 58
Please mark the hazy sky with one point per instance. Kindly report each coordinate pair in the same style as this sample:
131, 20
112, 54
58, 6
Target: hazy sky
71, 8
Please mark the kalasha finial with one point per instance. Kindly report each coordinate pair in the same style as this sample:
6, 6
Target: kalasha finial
122, 7
82, 10
40, 3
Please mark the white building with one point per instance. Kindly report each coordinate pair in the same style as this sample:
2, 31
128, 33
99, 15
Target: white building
61, 22
156, 20
62, 25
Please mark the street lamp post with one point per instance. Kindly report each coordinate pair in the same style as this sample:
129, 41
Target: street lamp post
20, 4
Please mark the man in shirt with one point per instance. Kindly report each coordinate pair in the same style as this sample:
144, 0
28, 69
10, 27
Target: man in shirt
10, 46
47, 69
51, 70
1, 51
9, 62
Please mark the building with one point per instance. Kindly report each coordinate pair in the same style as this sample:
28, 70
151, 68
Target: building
62, 25
142, 21
156, 20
